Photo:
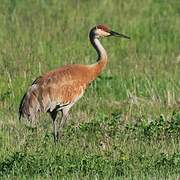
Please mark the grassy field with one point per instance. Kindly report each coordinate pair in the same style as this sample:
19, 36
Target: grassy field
127, 125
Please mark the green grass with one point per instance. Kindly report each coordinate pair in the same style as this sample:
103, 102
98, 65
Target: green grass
127, 125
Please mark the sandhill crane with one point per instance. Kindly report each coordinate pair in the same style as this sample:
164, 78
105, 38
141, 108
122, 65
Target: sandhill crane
60, 89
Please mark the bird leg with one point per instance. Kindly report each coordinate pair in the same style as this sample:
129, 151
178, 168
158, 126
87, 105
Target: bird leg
56, 125
63, 120
53, 115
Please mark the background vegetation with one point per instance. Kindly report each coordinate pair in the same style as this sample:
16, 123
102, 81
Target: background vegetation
128, 123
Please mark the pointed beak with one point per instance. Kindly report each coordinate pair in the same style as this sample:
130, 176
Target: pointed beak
113, 33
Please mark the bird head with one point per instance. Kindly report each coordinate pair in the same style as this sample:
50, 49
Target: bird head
104, 31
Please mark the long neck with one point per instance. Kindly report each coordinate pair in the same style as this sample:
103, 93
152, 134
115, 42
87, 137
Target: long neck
102, 55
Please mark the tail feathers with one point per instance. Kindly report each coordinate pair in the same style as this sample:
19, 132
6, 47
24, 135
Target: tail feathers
21, 107
20, 117
29, 106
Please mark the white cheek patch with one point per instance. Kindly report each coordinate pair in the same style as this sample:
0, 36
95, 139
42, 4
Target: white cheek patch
101, 33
